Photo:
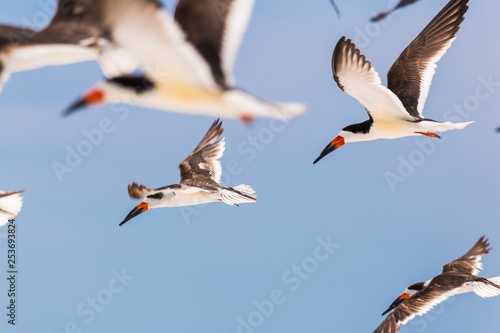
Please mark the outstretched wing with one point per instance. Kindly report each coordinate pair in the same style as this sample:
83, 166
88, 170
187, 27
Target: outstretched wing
417, 305
215, 28
356, 77
411, 74
202, 164
470, 263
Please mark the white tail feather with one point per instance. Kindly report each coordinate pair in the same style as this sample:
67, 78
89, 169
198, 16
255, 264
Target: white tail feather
487, 290
239, 194
250, 105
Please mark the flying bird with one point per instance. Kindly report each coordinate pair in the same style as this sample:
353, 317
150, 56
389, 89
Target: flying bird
335, 8
396, 111
200, 180
457, 277
382, 15
75, 34
10, 205
187, 62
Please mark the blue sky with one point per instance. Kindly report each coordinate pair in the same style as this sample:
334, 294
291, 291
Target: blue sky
216, 268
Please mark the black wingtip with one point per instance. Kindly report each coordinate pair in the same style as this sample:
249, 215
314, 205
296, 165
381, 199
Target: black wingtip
335, 8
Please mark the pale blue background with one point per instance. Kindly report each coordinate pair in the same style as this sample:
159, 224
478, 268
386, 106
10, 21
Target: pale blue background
201, 274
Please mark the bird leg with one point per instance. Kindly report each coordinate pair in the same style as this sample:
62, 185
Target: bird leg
429, 134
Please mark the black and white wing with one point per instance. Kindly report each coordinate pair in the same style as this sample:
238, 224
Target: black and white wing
411, 74
417, 305
356, 77
216, 29
202, 167
469, 263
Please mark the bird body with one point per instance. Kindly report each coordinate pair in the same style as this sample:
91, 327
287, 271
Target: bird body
187, 61
395, 111
457, 277
200, 181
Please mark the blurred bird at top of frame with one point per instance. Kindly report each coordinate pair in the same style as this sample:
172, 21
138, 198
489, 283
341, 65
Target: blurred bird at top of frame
200, 180
396, 111
188, 61
10, 205
457, 277
335, 8
75, 34
382, 15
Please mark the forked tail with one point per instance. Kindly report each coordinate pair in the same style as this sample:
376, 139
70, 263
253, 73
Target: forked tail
238, 194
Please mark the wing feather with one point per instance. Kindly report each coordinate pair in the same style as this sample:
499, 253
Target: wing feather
411, 74
356, 77
469, 263
202, 164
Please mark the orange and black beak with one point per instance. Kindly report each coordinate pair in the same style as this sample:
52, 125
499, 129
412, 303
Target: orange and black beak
336, 143
397, 302
141, 208
93, 97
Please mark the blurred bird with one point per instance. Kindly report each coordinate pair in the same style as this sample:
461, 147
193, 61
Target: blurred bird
10, 205
187, 61
401, 4
396, 111
335, 8
75, 34
457, 277
200, 180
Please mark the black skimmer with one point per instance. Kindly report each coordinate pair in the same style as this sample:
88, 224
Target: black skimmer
187, 61
75, 34
396, 111
10, 205
200, 180
402, 3
335, 8
457, 277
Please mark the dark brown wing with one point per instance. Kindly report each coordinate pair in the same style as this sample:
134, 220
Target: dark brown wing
136, 191
74, 20
401, 4
469, 263
215, 28
14, 35
411, 74
202, 164
417, 305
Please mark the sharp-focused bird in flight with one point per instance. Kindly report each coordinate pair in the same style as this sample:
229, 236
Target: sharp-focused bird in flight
188, 61
75, 34
10, 205
200, 180
396, 111
382, 15
457, 277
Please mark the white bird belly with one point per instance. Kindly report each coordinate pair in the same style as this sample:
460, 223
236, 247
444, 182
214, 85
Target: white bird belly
183, 198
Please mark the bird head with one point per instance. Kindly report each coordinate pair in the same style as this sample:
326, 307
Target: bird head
410, 291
